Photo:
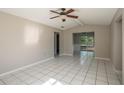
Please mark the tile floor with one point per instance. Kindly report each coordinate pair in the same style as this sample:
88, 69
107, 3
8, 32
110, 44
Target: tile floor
65, 70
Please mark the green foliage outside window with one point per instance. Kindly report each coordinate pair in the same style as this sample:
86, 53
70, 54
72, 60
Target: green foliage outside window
87, 40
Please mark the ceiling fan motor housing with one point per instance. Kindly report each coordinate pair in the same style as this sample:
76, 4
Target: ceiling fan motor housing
63, 20
63, 9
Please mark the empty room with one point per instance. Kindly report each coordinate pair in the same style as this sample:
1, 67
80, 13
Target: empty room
61, 46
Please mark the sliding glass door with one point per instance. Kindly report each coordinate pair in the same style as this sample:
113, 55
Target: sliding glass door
83, 43
87, 44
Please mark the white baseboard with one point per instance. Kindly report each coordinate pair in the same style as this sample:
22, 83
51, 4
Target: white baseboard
23, 67
65, 54
60, 54
107, 59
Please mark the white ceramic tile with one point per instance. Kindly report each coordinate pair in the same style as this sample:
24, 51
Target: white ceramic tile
92, 72
1, 83
88, 83
98, 82
63, 73
30, 80
24, 77
64, 83
65, 70
67, 79
46, 78
6, 76
33, 73
45, 72
39, 75
37, 82
101, 75
79, 78
22, 74
16, 82
114, 82
12, 78
51, 74
104, 79
89, 80
12, 81
70, 75
76, 82
58, 77
17, 72
112, 76
91, 75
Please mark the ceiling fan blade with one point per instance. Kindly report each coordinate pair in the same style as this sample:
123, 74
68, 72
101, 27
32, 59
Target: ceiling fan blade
54, 12
54, 17
72, 16
69, 11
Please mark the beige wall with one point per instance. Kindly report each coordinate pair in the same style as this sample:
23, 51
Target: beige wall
102, 39
23, 42
116, 41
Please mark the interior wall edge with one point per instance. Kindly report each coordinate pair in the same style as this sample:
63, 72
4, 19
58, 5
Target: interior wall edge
66, 54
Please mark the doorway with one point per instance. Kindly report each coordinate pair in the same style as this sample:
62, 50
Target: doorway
84, 44
56, 44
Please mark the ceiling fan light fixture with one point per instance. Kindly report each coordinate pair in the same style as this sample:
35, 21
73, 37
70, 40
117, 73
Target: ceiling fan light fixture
63, 20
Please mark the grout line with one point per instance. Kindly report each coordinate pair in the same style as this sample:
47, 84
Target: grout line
3, 82
106, 72
75, 75
58, 72
71, 62
117, 76
96, 72
31, 75
43, 73
62, 69
19, 79
86, 73
68, 72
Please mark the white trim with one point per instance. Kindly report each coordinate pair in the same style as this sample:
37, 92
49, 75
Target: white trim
65, 54
23, 67
60, 54
107, 59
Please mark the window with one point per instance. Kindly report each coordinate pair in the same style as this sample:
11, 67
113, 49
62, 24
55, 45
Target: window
87, 39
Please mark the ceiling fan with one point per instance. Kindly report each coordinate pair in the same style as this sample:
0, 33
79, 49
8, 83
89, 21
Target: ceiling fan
65, 13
